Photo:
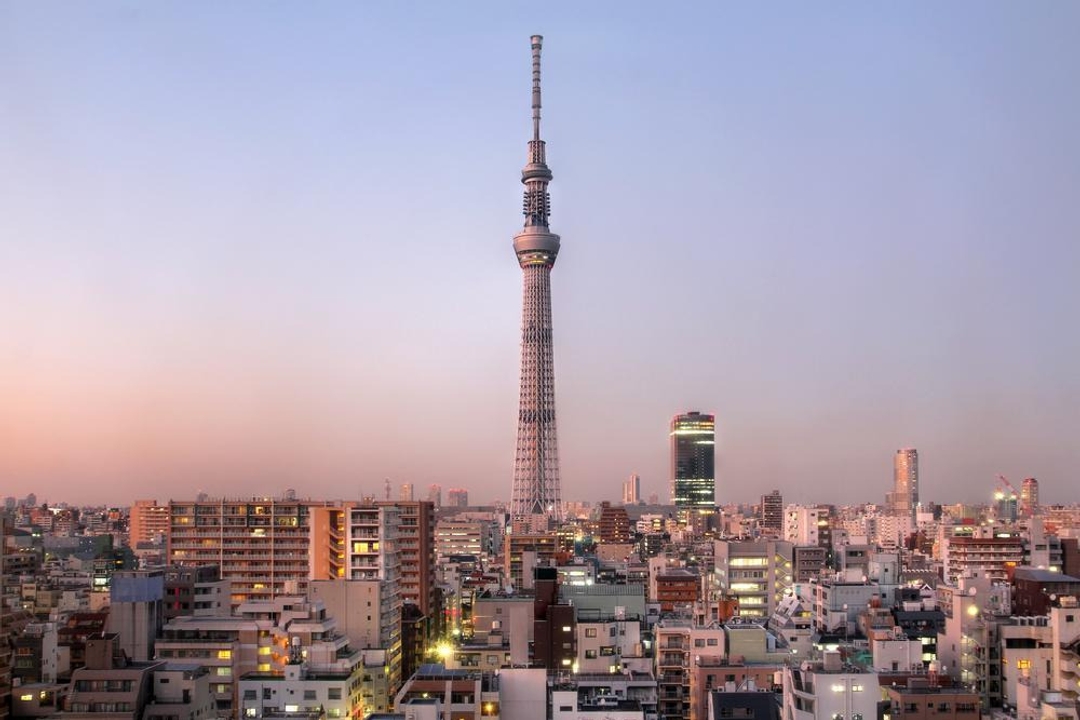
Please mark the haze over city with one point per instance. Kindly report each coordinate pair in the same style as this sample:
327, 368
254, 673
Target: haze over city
247, 247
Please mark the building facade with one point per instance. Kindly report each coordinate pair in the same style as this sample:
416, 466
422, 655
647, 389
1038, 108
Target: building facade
693, 461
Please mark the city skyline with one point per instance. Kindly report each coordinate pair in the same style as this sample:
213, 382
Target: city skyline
245, 267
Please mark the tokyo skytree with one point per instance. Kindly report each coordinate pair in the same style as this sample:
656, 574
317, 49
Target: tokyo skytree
536, 503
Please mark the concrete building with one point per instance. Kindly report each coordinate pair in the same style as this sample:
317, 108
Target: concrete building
980, 551
263, 546
181, 691
677, 589
148, 522
136, 611
301, 690
827, 690
679, 645
454, 536
920, 701
969, 649
196, 590
806, 525
1033, 589
110, 687
771, 513
757, 573
36, 654
614, 524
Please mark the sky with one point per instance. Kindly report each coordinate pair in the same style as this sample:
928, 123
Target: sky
247, 246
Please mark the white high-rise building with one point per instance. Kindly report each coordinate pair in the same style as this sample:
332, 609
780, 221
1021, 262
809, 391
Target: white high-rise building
631, 490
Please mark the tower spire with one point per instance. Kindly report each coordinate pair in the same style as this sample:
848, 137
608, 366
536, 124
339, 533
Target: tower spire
537, 44
536, 502
536, 175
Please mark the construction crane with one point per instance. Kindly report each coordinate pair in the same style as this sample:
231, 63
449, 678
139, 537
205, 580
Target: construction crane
1005, 482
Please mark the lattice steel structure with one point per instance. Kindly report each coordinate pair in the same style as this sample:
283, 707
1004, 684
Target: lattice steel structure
536, 503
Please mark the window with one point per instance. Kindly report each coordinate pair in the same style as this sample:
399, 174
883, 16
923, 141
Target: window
699, 642
249, 694
612, 631
267, 693
309, 695
711, 642
590, 632
590, 654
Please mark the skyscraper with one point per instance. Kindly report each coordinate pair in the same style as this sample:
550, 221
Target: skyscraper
536, 502
693, 466
1029, 497
631, 490
905, 495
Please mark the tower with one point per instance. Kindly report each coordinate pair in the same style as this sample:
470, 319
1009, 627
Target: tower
905, 495
631, 490
536, 502
1029, 497
693, 461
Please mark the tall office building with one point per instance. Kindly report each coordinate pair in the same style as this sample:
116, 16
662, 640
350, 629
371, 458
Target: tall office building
1029, 497
631, 490
905, 495
772, 511
693, 461
536, 501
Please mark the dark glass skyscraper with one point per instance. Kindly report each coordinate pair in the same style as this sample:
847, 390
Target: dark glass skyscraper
693, 461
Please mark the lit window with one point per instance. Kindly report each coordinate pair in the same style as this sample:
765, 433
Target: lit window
224, 654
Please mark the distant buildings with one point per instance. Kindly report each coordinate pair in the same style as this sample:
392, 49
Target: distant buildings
457, 498
631, 490
905, 495
1029, 497
693, 462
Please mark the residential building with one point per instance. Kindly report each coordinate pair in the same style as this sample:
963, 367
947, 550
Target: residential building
109, 686
829, 690
148, 522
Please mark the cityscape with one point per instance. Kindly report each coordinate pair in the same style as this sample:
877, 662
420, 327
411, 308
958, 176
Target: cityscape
852, 528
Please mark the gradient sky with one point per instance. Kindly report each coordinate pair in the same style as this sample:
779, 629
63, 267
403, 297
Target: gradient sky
254, 246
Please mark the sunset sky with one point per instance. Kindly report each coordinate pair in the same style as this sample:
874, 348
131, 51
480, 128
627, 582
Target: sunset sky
247, 246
